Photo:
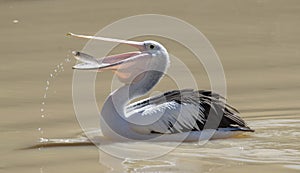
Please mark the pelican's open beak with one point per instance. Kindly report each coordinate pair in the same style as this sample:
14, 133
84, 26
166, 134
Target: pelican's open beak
112, 62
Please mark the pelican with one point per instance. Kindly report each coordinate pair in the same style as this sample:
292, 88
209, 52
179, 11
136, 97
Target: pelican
172, 116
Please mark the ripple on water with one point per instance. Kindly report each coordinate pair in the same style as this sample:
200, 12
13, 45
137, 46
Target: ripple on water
297, 167
273, 142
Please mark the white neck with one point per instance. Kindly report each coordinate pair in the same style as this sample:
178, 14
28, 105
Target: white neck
112, 116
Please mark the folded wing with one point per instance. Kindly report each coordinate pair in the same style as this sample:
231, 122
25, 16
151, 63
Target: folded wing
180, 111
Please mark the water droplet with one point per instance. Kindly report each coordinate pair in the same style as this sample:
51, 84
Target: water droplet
51, 75
15, 21
43, 103
44, 140
47, 82
45, 95
68, 60
43, 116
42, 110
40, 149
39, 129
61, 64
55, 70
46, 88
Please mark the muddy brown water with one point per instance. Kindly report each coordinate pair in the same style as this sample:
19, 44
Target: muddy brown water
257, 42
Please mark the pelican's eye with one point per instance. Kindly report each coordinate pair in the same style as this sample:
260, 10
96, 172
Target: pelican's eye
151, 46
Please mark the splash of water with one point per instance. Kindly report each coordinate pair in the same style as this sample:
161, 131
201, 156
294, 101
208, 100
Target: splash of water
58, 69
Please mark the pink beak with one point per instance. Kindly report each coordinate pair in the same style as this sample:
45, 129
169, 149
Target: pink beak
129, 67
137, 44
110, 62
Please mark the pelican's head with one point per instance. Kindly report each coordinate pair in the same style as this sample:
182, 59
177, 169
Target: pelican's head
153, 47
130, 67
